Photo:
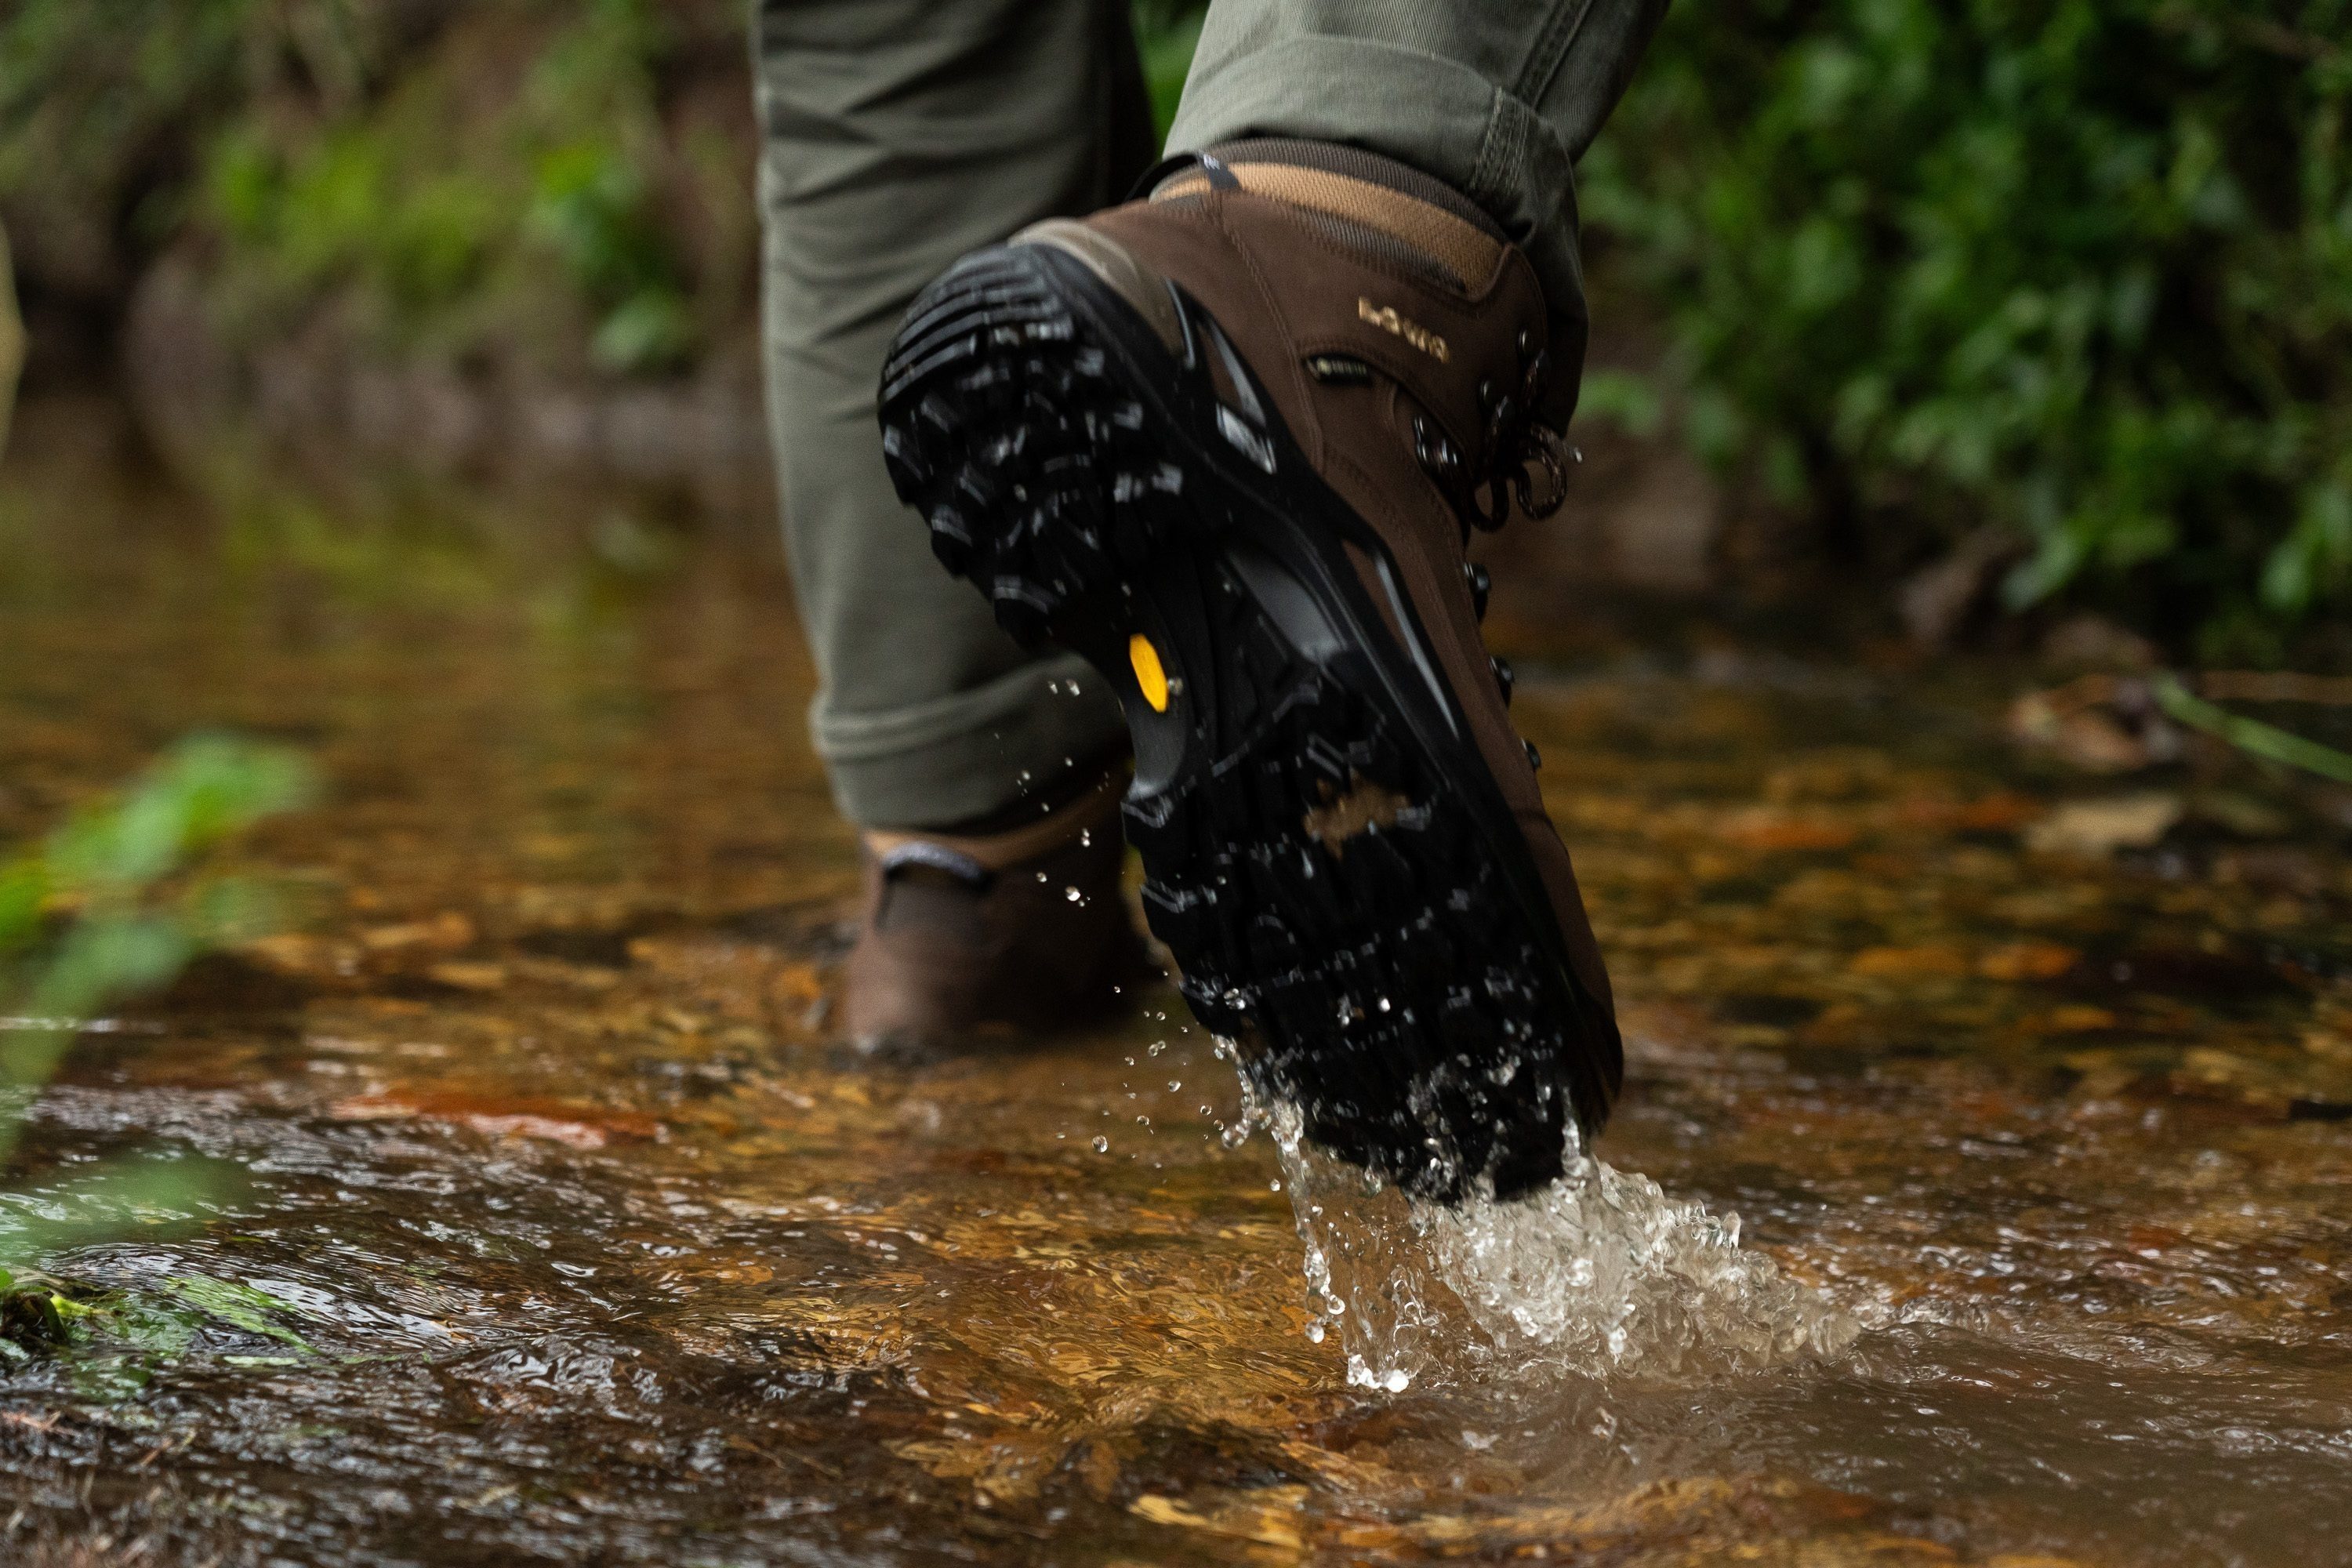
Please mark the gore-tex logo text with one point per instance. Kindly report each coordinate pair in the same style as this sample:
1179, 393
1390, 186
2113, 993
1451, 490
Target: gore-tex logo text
1386, 318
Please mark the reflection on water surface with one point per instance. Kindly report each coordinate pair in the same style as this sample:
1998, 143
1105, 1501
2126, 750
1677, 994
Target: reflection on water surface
574, 1240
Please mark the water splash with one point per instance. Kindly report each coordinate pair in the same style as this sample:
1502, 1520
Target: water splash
1600, 1272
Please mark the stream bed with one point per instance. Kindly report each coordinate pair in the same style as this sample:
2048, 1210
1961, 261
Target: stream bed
562, 1232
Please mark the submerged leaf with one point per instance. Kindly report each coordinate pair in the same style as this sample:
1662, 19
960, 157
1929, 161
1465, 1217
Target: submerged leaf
239, 1305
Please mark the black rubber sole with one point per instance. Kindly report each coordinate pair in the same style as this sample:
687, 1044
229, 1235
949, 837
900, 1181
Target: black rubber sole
1325, 855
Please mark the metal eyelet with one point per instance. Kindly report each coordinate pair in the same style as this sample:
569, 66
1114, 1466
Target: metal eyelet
1481, 585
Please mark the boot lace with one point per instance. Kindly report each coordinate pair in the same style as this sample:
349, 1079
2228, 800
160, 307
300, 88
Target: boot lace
1513, 442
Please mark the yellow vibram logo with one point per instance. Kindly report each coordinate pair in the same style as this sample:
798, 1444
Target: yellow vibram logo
1386, 318
1151, 679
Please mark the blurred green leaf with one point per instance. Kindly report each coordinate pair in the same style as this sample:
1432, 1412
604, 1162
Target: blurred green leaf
90, 917
120, 1197
1166, 34
200, 791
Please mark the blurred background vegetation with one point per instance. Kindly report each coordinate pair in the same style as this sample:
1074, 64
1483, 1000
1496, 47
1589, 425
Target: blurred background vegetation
2060, 290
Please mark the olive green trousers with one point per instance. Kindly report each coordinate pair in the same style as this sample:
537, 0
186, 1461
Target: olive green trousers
898, 134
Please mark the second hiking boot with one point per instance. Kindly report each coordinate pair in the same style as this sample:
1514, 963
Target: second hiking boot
1227, 442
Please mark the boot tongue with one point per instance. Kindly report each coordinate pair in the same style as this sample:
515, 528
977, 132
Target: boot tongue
1366, 200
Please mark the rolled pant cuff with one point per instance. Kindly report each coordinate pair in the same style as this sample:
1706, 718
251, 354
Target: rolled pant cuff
971, 753
1487, 143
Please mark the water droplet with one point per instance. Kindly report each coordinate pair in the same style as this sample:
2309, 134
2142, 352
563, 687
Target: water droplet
1273, 1186
1174, 1084
1397, 1381
1074, 896
1085, 838
1315, 1330
1102, 1144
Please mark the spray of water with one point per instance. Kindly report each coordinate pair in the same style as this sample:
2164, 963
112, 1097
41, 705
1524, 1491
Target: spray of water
1598, 1273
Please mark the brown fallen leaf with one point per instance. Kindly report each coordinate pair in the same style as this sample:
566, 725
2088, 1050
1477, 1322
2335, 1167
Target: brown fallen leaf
2028, 960
302, 955
552, 1121
468, 976
2078, 1018
2098, 828
445, 932
1268, 1516
1910, 963
2000, 813
1766, 829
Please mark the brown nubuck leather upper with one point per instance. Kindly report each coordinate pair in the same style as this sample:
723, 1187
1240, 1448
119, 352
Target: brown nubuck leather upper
1026, 930
1294, 293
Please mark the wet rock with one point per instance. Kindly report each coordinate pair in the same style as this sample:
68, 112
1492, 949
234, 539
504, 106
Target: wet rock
2097, 724
2277, 868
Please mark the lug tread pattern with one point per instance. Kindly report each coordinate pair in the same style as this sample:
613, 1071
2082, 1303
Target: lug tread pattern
1384, 982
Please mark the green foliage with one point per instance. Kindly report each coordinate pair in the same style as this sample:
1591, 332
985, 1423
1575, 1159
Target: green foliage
591, 208
116, 902
435, 236
91, 92
2081, 268
414, 171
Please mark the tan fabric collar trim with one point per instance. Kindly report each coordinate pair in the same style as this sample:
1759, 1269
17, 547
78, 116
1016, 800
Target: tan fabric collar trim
1002, 851
1452, 242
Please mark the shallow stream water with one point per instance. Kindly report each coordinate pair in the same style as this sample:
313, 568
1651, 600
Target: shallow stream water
564, 1233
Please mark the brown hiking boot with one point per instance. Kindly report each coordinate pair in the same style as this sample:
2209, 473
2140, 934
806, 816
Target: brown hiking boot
1026, 930
1227, 442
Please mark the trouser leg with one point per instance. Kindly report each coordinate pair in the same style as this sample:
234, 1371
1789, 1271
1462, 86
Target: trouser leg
896, 136
1497, 97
